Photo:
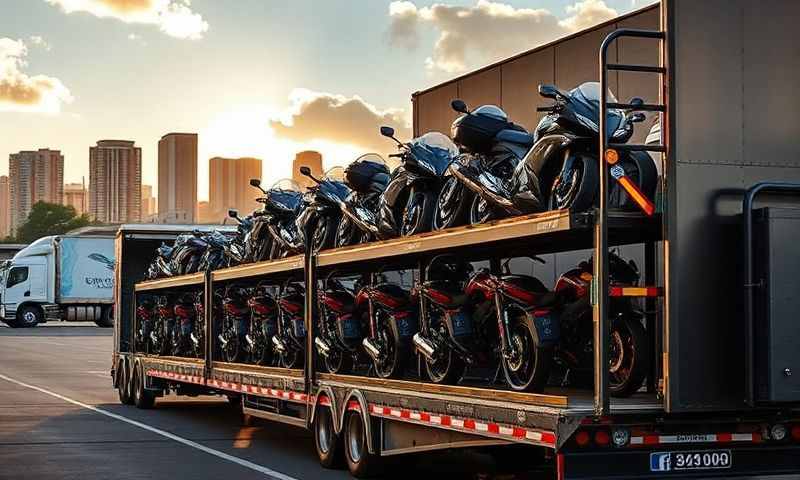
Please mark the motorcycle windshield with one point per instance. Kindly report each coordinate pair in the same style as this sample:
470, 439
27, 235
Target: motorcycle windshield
285, 196
433, 151
585, 102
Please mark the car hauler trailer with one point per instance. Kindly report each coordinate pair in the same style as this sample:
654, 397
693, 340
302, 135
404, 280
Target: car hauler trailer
723, 397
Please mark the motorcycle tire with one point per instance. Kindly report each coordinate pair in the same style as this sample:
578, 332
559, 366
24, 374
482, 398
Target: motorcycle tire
262, 251
530, 369
418, 213
480, 212
325, 232
393, 363
347, 233
293, 358
338, 361
261, 354
452, 204
447, 369
582, 189
233, 351
629, 356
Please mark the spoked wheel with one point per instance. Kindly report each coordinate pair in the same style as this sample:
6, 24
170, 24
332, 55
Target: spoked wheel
392, 361
360, 462
528, 367
330, 450
233, 348
338, 361
480, 211
260, 353
447, 368
291, 358
629, 357
325, 232
452, 204
575, 186
418, 213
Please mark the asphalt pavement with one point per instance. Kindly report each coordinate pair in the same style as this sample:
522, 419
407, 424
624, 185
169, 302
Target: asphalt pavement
60, 418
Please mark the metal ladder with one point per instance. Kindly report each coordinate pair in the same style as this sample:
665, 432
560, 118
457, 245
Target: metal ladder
601, 279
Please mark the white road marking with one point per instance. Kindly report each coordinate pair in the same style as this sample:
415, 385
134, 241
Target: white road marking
189, 443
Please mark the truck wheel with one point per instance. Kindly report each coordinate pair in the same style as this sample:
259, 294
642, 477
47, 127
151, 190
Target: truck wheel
328, 443
106, 319
360, 462
28, 316
124, 384
142, 397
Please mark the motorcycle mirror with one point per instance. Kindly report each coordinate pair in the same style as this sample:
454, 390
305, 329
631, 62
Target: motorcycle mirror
636, 102
304, 170
254, 182
637, 117
387, 131
549, 91
459, 106
233, 214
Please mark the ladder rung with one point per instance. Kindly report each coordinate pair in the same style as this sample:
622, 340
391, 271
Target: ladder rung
632, 147
636, 68
645, 107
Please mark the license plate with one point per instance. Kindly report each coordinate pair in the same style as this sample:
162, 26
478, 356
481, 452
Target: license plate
690, 460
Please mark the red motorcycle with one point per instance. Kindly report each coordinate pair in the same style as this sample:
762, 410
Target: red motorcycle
629, 348
163, 327
145, 316
289, 341
236, 319
392, 322
184, 340
340, 327
263, 325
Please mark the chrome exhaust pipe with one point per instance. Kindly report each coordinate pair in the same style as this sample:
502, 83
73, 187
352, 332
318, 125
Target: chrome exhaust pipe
278, 343
222, 339
424, 346
371, 349
249, 340
323, 347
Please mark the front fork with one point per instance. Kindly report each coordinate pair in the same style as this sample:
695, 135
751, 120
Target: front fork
566, 169
507, 349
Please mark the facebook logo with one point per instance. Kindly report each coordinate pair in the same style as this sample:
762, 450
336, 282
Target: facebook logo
660, 462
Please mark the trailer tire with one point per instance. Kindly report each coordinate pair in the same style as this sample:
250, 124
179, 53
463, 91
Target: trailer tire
360, 462
142, 397
328, 443
124, 384
28, 317
106, 319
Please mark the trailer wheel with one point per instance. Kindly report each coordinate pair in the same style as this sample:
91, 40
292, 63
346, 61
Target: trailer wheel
328, 443
124, 384
142, 397
106, 319
28, 317
360, 462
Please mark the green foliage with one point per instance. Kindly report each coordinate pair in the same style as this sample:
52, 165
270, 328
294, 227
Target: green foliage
50, 219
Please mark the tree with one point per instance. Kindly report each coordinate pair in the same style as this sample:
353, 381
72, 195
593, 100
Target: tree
50, 219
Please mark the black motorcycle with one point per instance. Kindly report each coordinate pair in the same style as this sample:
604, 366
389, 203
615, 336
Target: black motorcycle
235, 254
407, 204
216, 255
289, 342
323, 212
162, 265
561, 169
263, 325
283, 203
368, 177
236, 318
340, 327
258, 240
188, 252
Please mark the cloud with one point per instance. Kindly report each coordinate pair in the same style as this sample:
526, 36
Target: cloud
492, 30
40, 42
20, 92
173, 17
338, 119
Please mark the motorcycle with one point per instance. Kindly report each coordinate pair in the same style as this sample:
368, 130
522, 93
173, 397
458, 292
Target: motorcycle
258, 241
188, 252
263, 325
489, 143
407, 204
146, 317
198, 335
215, 256
560, 171
392, 321
283, 203
629, 348
161, 333
236, 315
368, 177
340, 327
235, 251
323, 210
161, 266
289, 342
184, 339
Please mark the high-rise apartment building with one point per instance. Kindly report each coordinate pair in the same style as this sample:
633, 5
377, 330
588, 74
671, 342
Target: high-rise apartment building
177, 178
33, 176
5, 208
115, 181
149, 206
310, 159
76, 196
229, 186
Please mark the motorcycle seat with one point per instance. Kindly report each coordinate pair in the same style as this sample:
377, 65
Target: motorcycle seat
514, 136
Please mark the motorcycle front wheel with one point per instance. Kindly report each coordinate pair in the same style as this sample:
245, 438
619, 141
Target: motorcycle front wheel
338, 361
418, 213
448, 368
629, 357
325, 232
575, 186
480, 211
452, 204
394, 355
260, 353
293, 358
233, 350
528, 368
347, 233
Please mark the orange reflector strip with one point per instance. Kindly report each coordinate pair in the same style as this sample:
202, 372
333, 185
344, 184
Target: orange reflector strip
634, 292
644, 203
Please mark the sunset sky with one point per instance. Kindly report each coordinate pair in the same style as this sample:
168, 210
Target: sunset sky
261, 78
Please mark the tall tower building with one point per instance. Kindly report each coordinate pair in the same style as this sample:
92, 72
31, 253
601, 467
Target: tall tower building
310, 159
177, 178
149, 207
5, 208
76, 196
115, 181
229, 186
33, 176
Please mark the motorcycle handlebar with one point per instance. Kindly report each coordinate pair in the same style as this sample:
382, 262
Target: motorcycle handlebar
551, 108
395, 155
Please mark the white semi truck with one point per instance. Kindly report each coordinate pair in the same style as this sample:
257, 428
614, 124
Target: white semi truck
63, 277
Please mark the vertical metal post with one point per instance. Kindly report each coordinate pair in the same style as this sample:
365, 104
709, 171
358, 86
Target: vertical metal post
651, 315
310, 278
208, 319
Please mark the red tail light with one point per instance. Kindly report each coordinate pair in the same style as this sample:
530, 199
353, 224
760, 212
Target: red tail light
602, 438
582, 438
796, 433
